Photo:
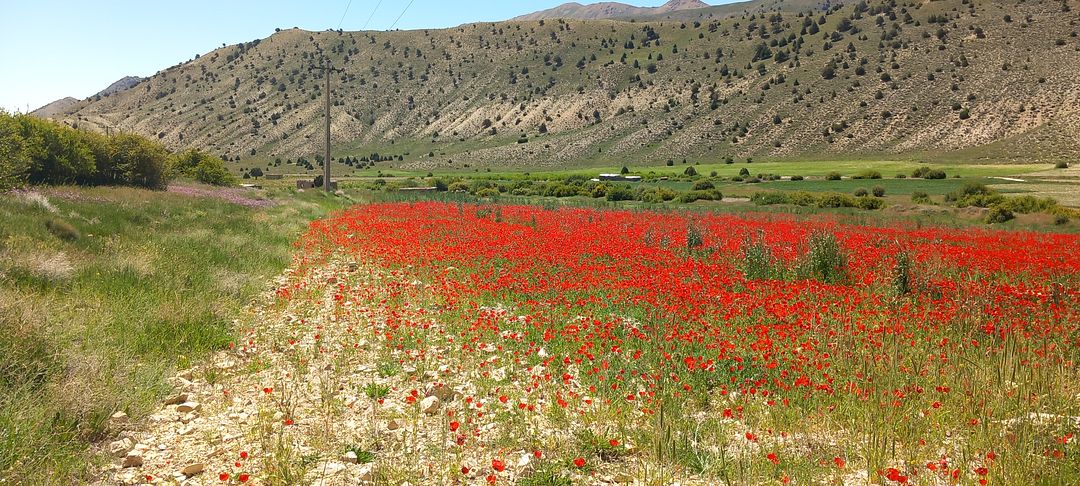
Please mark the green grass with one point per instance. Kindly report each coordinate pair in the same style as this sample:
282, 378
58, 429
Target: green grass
94, 322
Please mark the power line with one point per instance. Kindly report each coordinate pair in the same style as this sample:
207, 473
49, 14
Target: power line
376, 9
344, 14
402, 15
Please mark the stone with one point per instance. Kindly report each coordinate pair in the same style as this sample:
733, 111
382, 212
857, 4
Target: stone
120, 448
349, 458
366, 473
119, 418
187, 375
188, 418
133, 459
393, 425
442, 392
524, 461
188, 407
430, 405
177, 399
193, 469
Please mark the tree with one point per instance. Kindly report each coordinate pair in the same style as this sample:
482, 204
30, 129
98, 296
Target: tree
690, 171
625, 170
829, 71
256, 173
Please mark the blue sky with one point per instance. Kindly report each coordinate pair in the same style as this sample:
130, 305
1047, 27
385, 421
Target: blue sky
50, 49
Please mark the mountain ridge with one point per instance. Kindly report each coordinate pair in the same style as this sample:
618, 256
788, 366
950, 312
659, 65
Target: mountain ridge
873, 79
609, 10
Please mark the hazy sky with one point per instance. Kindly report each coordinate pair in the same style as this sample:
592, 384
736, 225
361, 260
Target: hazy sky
50, 49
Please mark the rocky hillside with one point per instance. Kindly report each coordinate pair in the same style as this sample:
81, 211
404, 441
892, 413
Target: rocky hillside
123, 84
965, 79
610, 10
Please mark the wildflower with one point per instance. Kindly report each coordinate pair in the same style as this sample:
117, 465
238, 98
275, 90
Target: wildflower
579, 462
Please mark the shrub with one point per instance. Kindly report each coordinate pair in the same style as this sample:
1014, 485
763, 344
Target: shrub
757, 260
868, 174
202, 167
997, 215
833, 176
690, 171
824, 260
878, 191
488, 192
703, 186
925, 172
1061, 165
658, 195
860, 192
796, 178
901, 278
619, 193
919, 197
744, 172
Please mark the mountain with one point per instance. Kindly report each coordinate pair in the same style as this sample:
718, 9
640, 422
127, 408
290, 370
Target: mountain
123, 84
610, 10
964, 79
66, 105
56, 108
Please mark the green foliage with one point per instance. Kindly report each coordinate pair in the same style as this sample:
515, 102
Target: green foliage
39, 151
202, 167
868, 174
703, 186
928, 173
619, 193
816, 200
14, 162
920, 197
833, 176
878, 191
757, 261
901, 274
137, 161
824, 260
997, 215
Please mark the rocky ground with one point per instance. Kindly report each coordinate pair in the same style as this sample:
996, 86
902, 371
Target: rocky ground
308, 396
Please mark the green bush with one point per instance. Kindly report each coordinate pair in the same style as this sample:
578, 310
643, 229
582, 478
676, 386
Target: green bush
998, 215
920, 197
202, 167
867, 174
878, 191
619, 193
860, 192
824, 260
833, 176
1061, 165
925, 172
657, 195
39, 151
797, 178
703, 186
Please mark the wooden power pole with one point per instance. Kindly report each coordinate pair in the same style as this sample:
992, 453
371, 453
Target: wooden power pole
328, 70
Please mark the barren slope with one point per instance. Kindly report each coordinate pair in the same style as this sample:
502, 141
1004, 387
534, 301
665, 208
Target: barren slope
924, 79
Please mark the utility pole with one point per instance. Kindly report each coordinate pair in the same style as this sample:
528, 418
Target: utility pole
328, 70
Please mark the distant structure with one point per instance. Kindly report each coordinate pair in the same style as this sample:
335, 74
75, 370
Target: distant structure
617, 178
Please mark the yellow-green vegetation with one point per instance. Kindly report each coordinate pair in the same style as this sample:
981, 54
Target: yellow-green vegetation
104, 292
37, 151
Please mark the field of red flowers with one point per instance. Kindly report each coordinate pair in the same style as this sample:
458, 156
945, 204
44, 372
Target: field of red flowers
680, 346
